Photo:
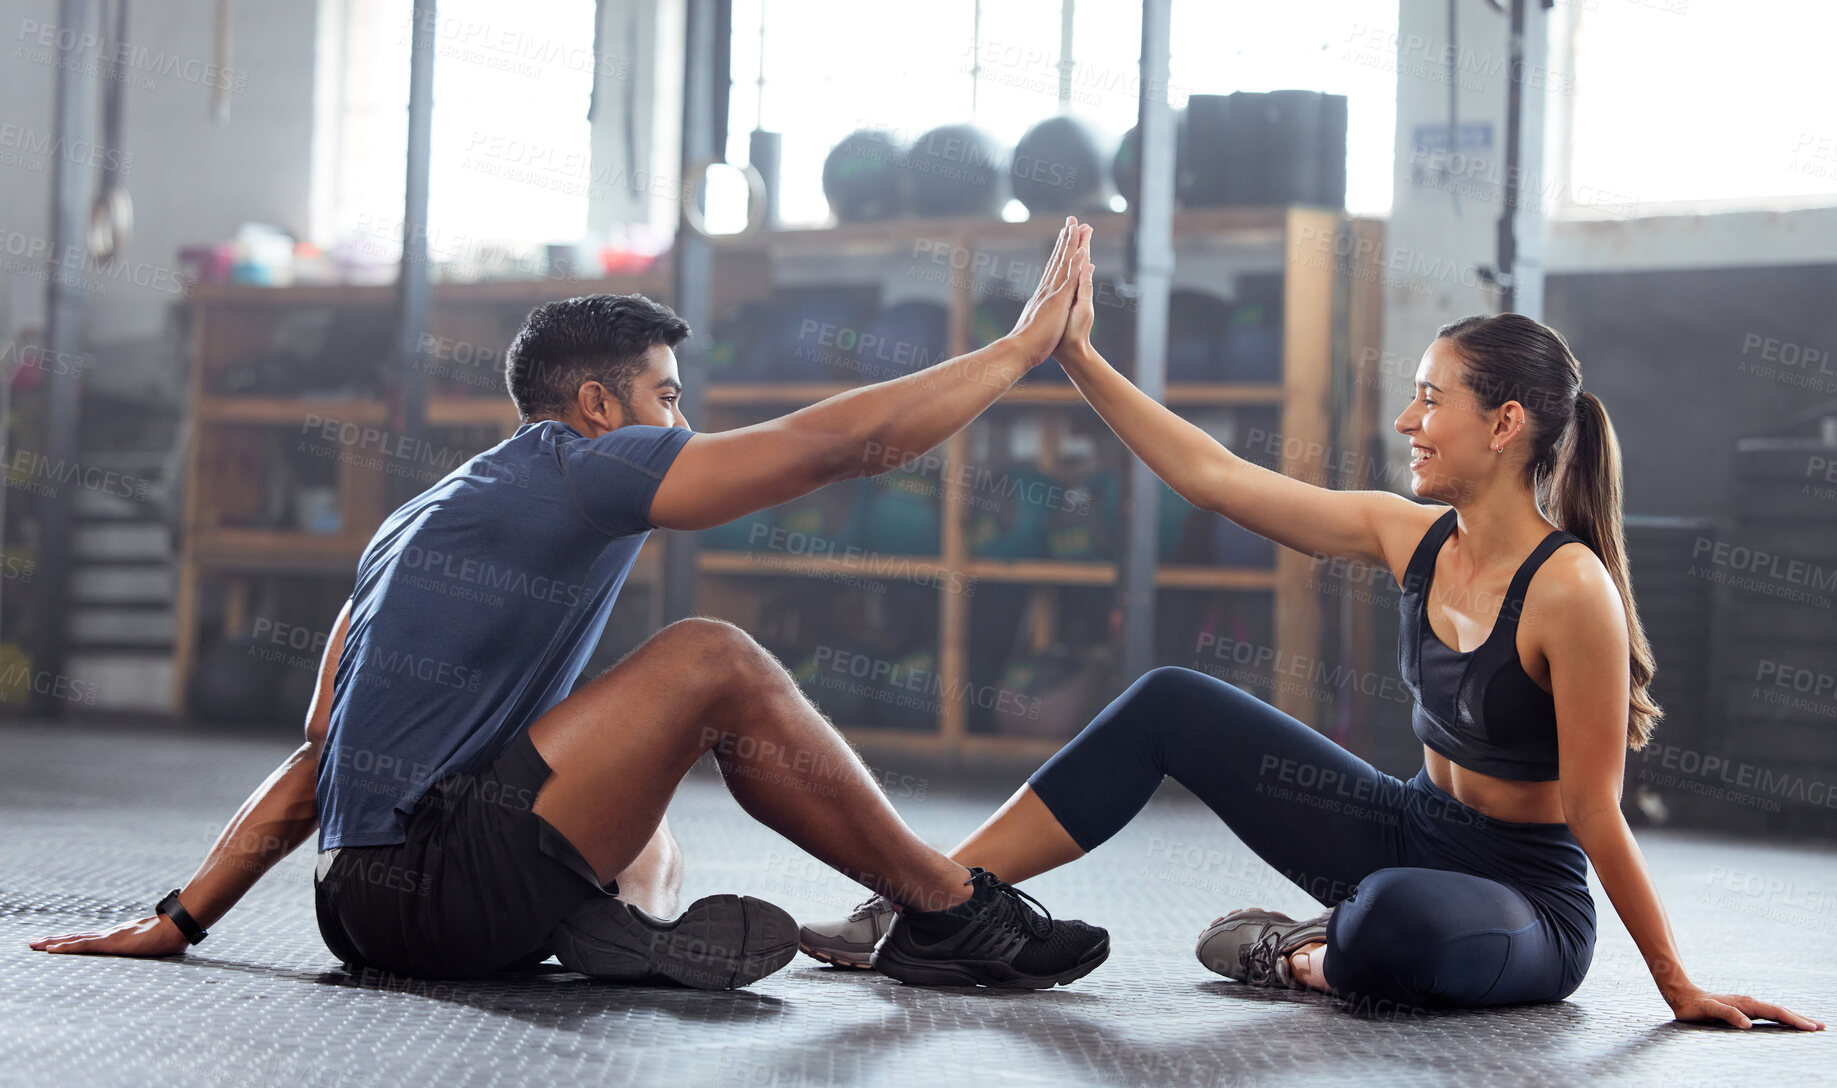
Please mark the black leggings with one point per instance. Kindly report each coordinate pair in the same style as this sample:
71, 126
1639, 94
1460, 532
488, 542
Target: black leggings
1435, 904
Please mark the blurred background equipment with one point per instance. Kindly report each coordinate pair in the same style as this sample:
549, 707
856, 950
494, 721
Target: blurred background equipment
956, 170
1058, 167
862, 178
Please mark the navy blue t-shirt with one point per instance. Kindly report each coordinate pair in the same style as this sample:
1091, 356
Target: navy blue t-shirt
477, 606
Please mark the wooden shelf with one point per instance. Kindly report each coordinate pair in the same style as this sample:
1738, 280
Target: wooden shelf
288, 410
930, 568
233, 323
472, 412
441, 411
274, 549
778, 564
1058, 572
1251, 578
1241, 225
1070, 573
800, 393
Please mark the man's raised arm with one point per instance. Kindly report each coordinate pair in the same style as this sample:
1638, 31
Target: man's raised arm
729, 474
280, 815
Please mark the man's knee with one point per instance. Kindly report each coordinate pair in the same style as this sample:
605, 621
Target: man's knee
716, 650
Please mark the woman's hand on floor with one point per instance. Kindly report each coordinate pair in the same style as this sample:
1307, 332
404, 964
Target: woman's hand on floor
1737, 1009
154, 936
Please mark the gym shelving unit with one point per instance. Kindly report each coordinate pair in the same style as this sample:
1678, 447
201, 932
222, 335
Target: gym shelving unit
1328, 317
224, 549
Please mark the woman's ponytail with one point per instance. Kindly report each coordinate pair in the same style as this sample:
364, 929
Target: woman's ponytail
1584, 499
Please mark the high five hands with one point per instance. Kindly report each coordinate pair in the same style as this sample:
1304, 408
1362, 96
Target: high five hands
1061, 304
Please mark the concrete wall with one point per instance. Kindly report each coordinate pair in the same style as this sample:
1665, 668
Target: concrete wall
1696, 330
192, 178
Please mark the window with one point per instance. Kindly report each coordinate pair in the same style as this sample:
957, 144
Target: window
510, 157
1700, 104
833, 66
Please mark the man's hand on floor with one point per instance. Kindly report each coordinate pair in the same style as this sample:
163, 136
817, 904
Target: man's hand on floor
155, 936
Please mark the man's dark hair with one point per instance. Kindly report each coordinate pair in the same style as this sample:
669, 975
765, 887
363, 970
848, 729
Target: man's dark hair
565, 344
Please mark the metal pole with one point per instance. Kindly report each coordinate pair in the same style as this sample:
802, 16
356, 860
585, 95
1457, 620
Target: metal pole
693, 264
1508, 215
412, 290
1153, 280
71, 193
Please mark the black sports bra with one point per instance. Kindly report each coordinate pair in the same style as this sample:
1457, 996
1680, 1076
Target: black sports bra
1480, 708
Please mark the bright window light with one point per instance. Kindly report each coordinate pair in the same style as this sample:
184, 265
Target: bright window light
834, 66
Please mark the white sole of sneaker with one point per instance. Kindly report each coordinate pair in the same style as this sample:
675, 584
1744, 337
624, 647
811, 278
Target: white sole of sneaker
847, 960
721, 942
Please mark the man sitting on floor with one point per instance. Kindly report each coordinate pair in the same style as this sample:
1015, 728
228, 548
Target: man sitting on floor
475, 816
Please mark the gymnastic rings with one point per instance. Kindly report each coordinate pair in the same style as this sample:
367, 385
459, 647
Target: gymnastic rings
755, 200
111, 223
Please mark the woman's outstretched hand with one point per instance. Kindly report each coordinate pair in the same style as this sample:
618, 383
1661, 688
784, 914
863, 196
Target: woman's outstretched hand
1076, 341
1737, 1009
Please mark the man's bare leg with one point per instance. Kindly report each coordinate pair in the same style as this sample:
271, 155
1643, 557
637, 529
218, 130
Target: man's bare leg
620, 745
653, 881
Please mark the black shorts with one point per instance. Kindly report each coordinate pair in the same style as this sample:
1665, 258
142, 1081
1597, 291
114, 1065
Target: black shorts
476, 887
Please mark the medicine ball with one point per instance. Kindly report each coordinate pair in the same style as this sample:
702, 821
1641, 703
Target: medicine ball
862, 180
1057, 168
956, 170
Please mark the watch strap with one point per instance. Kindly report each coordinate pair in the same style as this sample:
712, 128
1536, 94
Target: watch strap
173, 909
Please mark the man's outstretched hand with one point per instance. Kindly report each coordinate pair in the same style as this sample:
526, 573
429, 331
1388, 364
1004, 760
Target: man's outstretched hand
155, 936
1042, 321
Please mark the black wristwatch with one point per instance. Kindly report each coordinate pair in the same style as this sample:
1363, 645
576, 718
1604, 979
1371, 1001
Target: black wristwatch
173, 909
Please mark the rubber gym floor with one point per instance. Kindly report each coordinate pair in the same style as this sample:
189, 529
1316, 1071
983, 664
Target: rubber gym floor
102, 820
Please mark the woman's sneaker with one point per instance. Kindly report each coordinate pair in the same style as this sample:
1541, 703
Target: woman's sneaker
721, 942
1253, 946
849, 942
992, 939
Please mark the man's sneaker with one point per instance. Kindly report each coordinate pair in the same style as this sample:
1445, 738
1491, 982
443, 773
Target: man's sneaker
850, 942
993, 939
719, 943
1253, 946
